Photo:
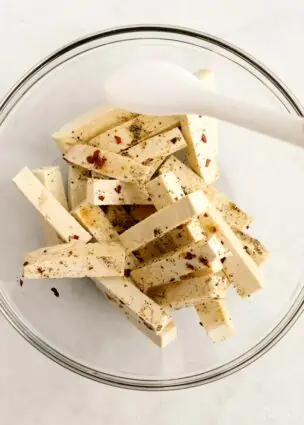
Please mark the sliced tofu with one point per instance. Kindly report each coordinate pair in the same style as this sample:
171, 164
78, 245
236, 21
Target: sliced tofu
240, 268
191, 182
159, 146
170, 267
128, 134
166, 190
51, 179
92, 218
202, 132
47, 205
77, 185
119, 218
188, 233
144, 313
155, 248
253, 247
215, 319
164, 220
189, 292
140, 212
75, 260
87, 126
116, 192
96, 222
107, 163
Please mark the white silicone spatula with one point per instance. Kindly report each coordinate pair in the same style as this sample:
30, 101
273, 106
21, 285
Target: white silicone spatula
164, 88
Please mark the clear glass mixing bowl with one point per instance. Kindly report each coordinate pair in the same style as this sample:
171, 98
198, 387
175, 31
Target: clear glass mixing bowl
81, 330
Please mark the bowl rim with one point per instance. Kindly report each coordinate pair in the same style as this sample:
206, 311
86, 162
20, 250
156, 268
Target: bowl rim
251, 355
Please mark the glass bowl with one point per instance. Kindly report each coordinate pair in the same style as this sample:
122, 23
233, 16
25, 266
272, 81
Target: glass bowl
81, 330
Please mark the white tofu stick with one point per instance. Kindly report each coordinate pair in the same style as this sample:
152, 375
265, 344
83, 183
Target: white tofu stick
51, 179
107, 163
144, 313
189, 292
253, 247
240, 268
170, 267
191, 182
164, 220
87, 126
77, 185
166, 190
128, 134
215, 319
47, 205
200, 131
116, 192
96, 222
159, 146
75, 260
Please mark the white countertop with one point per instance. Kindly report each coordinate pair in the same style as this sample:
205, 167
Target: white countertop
34, 390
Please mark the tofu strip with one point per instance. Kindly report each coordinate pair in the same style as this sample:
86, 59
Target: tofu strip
51, 179
166, 190
77, 185
190, 182
116, 192
201, 134
150, 318
75, 259
189, 292
170, 267
129, 134
164, 220
96, 222
87, 126
159, 146
107, 163
47, 205
240, 268
253, 247
215, 319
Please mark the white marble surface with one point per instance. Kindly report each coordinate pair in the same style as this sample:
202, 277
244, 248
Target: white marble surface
35, 390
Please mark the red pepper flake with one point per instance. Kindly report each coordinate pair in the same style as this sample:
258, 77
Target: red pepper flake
174, 140
25, 263
204, 138
147, 161
118, 189
223, 260
204, 261
118, 140
208, 162
190, 266
96, 159
189, 256
101, 197
40, 270
180, 227
127, 272
100, 162
55, 292
76, 237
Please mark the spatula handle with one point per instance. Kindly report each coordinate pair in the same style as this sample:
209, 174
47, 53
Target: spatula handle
274, 124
